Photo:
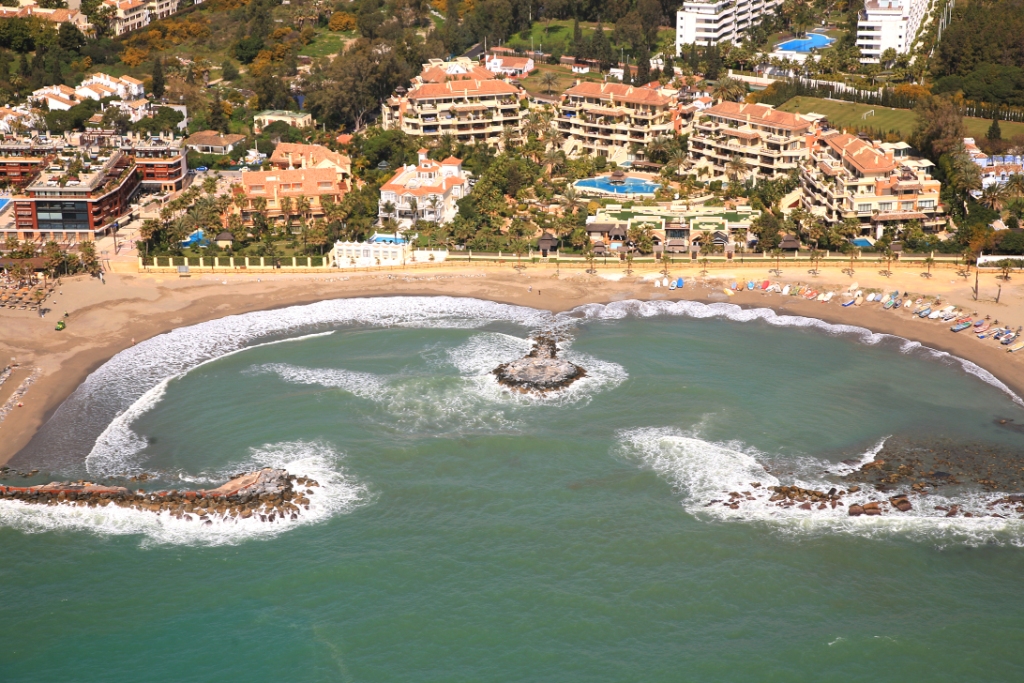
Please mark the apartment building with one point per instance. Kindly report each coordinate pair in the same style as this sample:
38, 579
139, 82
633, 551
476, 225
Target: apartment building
129, 15
723, 21
289, 156
161, 9
98, 86
161, 162
56, 16
771, 143
884, 24
22, 159
77, 196
614, 120
458, 98
428, 191
880, 184
285, 191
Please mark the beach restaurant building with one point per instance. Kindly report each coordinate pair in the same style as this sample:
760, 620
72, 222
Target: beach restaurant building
380, 251
74, 201
879, 184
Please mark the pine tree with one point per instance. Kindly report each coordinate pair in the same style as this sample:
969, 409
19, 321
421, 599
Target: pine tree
627, 75
217, 120
994, 133
669, 69
643, 67
578, 48
158, 78
600, 48
694, 61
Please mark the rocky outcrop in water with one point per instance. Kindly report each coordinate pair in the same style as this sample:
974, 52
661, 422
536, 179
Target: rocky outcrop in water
267, 495
541, 370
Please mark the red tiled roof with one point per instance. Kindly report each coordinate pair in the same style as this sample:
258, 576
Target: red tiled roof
437, 74
467, 88
307, 179
863, 156
758, 114
619, 93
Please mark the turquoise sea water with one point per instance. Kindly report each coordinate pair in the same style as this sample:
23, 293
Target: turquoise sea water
466, 534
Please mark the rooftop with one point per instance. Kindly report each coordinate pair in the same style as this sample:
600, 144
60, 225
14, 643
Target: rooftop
759, 114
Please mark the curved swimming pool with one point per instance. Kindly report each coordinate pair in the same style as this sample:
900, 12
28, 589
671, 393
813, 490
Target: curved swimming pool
626, 186
811, 42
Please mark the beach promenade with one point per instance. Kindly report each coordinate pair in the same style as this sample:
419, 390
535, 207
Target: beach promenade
106, 318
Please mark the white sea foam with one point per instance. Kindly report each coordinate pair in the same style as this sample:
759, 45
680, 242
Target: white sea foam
338, 493
123, 388
481, 354
705, 474
362, 384
696, 309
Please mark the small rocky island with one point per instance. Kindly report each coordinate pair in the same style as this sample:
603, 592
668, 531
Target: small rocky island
267, 494
539, 371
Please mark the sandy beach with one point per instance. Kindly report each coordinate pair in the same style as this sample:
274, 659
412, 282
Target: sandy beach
103, 319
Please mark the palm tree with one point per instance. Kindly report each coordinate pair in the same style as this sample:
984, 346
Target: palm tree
729, 90
549, 80
435, 206
1015, 186
736, 167
928, 263
993, 197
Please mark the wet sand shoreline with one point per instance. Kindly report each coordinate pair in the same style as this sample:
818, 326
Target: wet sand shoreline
105, 319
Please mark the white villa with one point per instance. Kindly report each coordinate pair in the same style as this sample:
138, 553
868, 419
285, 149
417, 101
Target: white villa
428, 191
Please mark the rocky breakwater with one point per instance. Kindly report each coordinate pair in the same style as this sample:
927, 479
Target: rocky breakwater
539, 371
267, 495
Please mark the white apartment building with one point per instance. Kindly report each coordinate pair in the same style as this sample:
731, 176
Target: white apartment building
161, 9
129, 15
428, 191
99, 85
709, 23
888, 23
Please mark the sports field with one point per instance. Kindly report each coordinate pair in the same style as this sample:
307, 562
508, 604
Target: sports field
851, 115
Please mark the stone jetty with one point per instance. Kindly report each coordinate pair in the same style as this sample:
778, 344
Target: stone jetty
267, 495
541, 370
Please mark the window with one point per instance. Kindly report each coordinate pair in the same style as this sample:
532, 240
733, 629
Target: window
863, 208
885, 206
256, 189
927, 203
907, 206
324, 185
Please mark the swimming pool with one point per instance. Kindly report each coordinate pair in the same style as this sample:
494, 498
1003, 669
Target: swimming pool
626, 186
3, 204
811, 42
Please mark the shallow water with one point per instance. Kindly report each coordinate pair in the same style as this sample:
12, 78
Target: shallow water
465, 533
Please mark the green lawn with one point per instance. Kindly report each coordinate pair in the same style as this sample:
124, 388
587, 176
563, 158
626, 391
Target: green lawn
327, 43
852, 115
565, 76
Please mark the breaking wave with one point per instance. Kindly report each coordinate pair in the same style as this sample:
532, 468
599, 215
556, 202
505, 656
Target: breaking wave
338, 493
707, 475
